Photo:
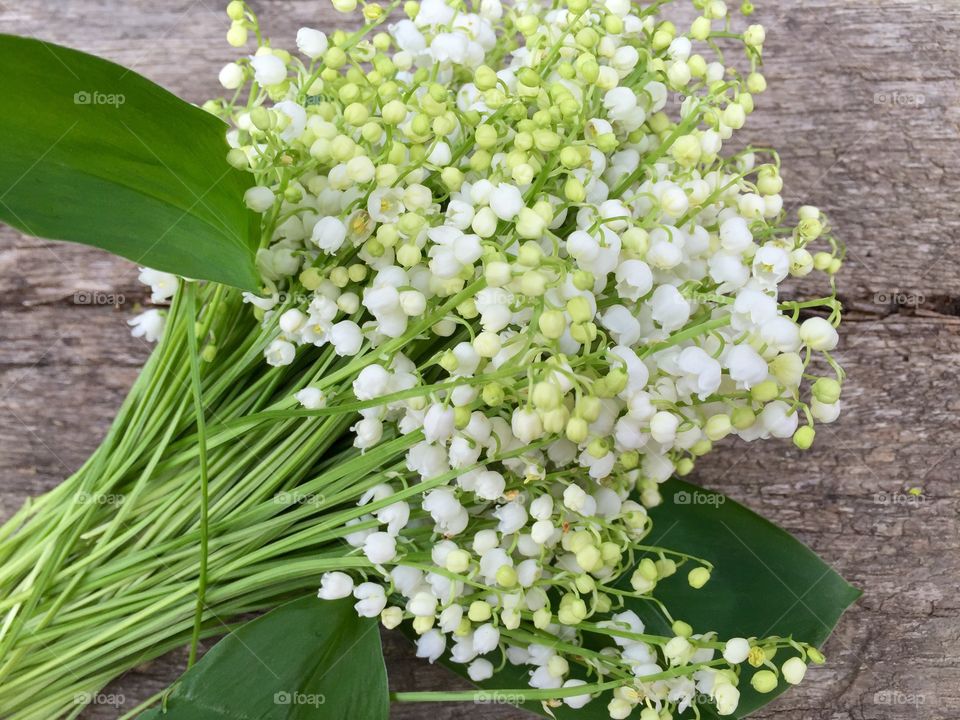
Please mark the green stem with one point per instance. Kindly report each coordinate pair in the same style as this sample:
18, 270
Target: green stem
195, 387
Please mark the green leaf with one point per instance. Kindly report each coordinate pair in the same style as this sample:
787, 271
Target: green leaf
309, 658
765, 582
97, 154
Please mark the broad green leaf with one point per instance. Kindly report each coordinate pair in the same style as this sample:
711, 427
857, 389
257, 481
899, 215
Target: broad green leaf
308, 658
97, 154
765, 582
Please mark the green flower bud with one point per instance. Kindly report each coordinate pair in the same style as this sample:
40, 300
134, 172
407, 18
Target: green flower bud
311, 278
542, 618
334, 58
486, 136
588, 37
569, 108
822, 260
610, 552
589, 407
340, 277
743, 417
584, 333
598, 447
763, 681
666, 567
756, 83
570, 158
577, 430
546, 140
648, 568
717, 427
238, 159
585, 584
480, 161
810, 229
529, 77
589, 559
235, 10
408, 255
552, 324
546, 396
629, 459
826, 390
765, 391
458, 561
479, 611
700, 29
528, 24
686, 150
422, 624
573, 611
493, 394
506, 576
579, 309
698, 577
793, 670
613, 24
583, 280
574, 190
262, 118
237, 35
371, 132
452, 178
485, 78
355, 114
607, 143
533, 283
681, 629
590, 70
803, 437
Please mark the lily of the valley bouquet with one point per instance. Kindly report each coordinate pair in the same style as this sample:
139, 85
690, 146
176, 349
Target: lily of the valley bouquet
444, 305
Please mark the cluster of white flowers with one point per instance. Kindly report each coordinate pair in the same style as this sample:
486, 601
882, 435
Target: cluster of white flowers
512, 230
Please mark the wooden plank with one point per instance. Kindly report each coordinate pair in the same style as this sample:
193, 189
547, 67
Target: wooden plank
863, 105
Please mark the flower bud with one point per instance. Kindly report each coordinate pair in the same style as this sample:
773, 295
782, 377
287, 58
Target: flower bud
803, 437
577, 430
552, 324
391, 617
793, 670
763, 681
479, 611
698, 577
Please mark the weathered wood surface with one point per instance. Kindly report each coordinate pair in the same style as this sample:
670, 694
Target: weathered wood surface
863, 105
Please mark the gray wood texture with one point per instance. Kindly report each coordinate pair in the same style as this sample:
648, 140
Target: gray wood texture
863, 105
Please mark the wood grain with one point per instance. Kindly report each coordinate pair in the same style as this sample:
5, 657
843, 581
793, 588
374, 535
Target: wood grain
864, 104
